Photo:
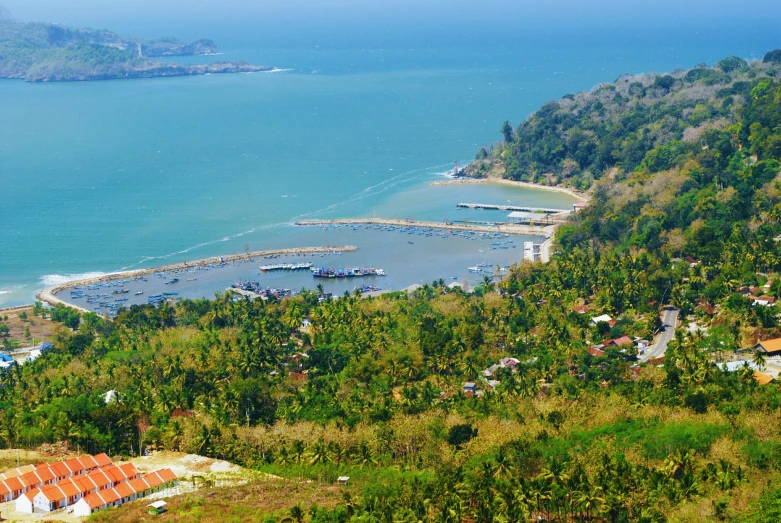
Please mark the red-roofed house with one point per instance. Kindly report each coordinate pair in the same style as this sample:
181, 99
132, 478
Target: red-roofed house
15, 473
39, 478
596, 351
16, 487
97, 501
140, 486
623, 340
764, 300
101, 459
126, 492
60, 471
74, 465
50, 498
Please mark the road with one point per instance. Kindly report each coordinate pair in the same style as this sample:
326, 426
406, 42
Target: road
669, 322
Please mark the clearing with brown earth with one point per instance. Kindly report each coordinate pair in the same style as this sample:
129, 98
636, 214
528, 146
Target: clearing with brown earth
252, 502
40, 329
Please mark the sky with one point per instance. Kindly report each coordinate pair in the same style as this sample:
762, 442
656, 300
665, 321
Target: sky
307, 21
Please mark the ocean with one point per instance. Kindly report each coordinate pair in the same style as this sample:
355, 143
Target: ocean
107, 176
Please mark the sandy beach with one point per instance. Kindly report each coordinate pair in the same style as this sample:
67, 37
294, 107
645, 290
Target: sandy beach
472, 181
49, 295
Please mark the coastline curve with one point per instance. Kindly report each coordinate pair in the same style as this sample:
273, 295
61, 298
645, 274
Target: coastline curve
49, 294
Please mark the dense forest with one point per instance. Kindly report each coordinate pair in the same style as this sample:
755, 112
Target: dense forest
586, 136
506, 403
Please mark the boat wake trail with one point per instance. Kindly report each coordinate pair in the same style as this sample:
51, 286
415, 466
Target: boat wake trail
372, 190
200, 245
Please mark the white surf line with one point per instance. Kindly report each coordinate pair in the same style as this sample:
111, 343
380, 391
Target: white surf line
365, 192
355, 197
332, 209
204, 244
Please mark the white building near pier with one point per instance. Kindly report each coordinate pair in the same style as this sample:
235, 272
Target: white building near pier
532, 251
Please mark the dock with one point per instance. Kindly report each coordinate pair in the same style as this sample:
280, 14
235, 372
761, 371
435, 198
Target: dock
545, 231
521, 208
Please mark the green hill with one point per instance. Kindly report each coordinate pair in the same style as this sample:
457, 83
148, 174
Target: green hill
685, 211
49, 52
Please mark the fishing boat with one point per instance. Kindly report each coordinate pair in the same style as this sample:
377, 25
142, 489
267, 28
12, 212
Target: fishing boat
139, 293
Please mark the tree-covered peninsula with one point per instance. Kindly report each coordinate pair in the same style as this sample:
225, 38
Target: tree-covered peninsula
528, 399
41, 52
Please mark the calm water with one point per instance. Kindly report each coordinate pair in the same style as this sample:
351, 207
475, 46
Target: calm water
105, 176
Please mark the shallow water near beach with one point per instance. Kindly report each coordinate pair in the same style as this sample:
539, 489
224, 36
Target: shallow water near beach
107, 176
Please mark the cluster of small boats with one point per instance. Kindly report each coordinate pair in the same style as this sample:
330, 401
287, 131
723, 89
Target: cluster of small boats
480, 268
347, 272
486, 269
505, 244
366, 288
154, 299
423, 231
258, 289
286, 267
105, 302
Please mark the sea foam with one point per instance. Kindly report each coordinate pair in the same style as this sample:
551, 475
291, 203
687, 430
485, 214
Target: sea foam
57, 279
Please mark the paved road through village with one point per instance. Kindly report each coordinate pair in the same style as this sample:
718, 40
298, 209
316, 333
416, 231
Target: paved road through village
669, 322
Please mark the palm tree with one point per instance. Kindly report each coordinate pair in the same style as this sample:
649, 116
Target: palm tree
319, 453
760, 359
589, 501
296, 515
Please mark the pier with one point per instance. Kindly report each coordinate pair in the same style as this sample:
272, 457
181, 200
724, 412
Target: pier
520, 208
545, 231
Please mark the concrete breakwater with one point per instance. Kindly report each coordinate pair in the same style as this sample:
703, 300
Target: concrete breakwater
49, 295
507, 228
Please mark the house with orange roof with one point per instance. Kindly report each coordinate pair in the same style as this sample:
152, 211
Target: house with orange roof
48, 499
15, 482
97, 501
126, 492
140, 486
15, 473
39, 477
74, 466
102, 460
762, 378
15, 486
60, 471
772, 348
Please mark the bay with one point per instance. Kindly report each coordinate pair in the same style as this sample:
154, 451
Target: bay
107, 176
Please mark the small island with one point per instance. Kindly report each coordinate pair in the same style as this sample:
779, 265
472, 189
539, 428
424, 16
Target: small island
43, 52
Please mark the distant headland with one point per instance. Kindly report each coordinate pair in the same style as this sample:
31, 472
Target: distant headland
43, 52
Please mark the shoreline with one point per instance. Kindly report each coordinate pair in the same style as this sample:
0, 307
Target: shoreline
583, 197
48, 295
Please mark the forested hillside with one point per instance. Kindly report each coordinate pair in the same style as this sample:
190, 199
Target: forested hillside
508, 403
587, 136
51, 52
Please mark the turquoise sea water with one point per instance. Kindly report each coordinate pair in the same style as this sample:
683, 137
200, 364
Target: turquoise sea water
106, 176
